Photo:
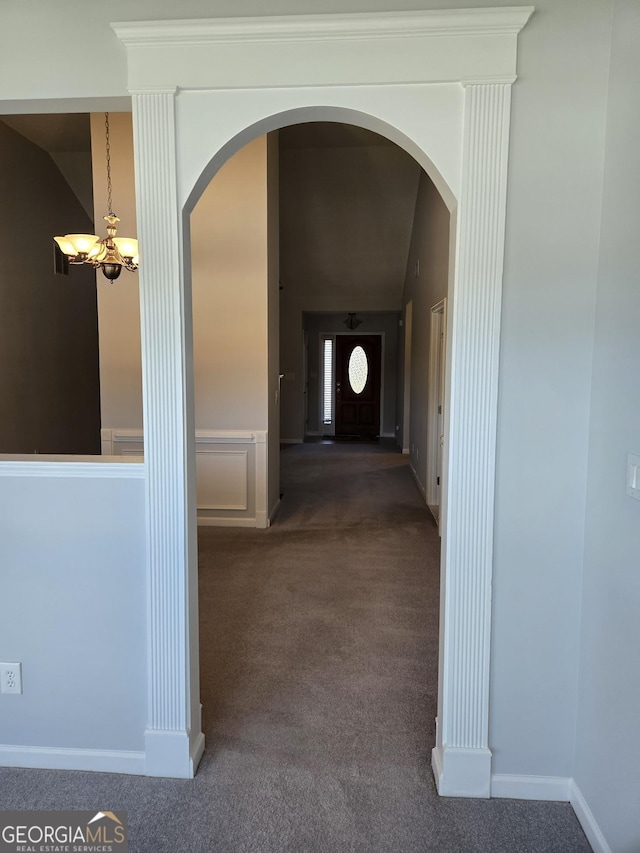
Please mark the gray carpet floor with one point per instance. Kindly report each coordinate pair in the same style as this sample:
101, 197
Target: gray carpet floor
319, 681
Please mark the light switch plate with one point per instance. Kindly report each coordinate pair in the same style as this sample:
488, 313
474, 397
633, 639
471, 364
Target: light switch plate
633, 475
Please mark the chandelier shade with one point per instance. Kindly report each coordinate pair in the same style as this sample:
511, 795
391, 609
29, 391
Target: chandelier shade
109, 253
79, 247
127, 246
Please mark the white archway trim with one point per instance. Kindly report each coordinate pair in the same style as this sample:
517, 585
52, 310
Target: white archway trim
392, 47
173, 738
462, 759
507, 20
473, 48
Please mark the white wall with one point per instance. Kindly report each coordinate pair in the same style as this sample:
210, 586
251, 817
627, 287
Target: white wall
425, 284
74, 610
234, 282
235, 376
229, 280
553, 219
230, 295
273, 330
608, 733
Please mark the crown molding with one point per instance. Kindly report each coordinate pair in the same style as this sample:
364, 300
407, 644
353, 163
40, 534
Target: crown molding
507, 20
487, 80
156, 90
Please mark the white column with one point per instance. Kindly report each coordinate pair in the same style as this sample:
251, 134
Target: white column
173, 739
462, 759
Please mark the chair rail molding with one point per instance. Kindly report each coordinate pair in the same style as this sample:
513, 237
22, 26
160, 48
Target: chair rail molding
437, 83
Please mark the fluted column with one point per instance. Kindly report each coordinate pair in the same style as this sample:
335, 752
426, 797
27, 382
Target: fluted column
462, 759
170, 741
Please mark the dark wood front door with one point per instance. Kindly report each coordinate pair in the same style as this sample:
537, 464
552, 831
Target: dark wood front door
358, 384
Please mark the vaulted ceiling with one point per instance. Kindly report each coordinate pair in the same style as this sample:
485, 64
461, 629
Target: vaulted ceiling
347, 202
66, 137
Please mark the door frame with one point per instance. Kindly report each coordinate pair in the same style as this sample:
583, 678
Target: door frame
405, 440
323, 336
435, 393
437, 83
382, 337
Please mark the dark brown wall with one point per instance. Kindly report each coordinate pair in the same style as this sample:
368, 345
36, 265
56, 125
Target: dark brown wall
49, 375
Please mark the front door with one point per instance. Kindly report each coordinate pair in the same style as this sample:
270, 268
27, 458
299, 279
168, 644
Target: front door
358, 385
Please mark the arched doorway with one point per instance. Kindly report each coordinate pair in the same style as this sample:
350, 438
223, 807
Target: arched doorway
346, 200
438, 84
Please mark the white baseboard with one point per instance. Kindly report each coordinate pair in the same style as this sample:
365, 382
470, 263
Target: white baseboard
519, 787
436, 761
552, 788
169, 753
388, 435
462, 771
58, 758
405, 451
418, 483
219, 521
95, 760
587, 820
197, 751
274, 511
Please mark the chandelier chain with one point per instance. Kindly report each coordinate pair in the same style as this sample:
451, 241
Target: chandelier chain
108, 146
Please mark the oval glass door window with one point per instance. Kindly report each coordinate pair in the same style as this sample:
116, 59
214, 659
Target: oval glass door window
358, 369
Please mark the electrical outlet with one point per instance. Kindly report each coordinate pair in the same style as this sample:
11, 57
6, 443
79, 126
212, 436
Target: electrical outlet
10, 678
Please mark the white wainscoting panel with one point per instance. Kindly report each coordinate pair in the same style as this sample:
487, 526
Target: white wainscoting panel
231, 468
221, 478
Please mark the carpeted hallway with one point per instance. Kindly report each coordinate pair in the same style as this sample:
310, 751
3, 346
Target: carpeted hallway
319, 681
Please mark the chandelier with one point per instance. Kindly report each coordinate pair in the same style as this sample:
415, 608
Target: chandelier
111, 253
352, 322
